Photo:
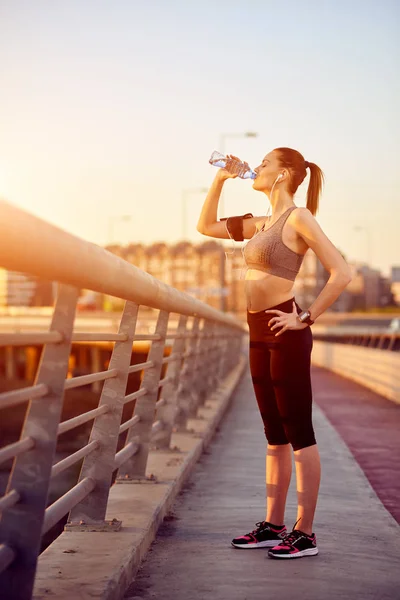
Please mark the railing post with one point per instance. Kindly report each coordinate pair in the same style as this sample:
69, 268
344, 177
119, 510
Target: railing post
231, 352
204, 362
224, 363
221, 350
21, 525
135, 467
168, 412
186, 395
193, 380
9, 362
236, 348
95, 366
215, 357
99, 465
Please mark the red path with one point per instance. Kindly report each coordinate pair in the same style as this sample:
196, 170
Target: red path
370, 426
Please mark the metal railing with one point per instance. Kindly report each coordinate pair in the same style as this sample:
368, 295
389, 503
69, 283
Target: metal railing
371, 367
204, 348
369, 356
359, 336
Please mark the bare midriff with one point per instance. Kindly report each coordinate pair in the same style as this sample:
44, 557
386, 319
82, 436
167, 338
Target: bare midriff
264, 290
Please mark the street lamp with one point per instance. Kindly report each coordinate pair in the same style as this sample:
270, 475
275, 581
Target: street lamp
185, 194
111, 221
222, 138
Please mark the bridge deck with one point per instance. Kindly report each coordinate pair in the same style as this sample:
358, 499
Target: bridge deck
358, 539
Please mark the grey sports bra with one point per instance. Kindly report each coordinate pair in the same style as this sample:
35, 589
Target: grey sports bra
266, 251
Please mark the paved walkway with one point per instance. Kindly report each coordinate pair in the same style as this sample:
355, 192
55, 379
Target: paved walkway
358, 539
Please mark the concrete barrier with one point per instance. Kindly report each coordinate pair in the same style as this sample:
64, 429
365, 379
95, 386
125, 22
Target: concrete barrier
376, 369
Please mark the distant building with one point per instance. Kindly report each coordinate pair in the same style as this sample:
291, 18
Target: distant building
367, 290
196, 270
19, 289
310, 280
395, 275
395, 284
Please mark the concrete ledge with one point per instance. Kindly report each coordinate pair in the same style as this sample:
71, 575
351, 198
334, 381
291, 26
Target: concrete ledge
80, 565
376, 369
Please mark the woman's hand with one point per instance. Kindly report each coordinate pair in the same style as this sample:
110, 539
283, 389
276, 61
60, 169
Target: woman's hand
231, 169
285, 320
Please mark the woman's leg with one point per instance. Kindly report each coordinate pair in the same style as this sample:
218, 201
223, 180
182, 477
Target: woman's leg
277, 475
308, 477
278, 456
290, 368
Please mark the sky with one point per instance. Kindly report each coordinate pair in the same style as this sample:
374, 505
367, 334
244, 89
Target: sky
113, 108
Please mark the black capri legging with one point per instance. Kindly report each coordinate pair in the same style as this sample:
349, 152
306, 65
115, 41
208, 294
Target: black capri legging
280, 371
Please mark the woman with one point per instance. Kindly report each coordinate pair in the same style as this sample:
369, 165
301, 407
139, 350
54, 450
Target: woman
280, 335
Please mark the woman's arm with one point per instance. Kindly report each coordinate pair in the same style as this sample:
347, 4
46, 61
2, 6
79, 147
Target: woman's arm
340, 275
208, 215
208, 224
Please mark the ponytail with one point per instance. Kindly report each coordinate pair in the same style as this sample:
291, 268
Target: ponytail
295, 163
314, 188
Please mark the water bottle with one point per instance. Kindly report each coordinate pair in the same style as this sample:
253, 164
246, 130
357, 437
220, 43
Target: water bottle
219, 160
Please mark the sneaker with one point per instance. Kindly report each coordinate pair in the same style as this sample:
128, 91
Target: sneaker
295, 545
265, 536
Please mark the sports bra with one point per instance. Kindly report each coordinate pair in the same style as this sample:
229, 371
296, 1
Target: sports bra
265, 251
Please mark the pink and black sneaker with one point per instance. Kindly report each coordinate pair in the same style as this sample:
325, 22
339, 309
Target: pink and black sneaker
265, 536
295, 545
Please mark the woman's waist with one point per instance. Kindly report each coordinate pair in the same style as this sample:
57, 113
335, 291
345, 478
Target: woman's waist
268, 292
285, 305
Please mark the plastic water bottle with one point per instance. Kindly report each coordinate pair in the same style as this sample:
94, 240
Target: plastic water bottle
219, 160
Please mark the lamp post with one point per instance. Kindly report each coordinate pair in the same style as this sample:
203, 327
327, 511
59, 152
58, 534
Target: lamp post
111, 221
222, 138
185, 194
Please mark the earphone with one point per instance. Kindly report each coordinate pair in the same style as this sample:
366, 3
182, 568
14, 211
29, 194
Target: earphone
279, 177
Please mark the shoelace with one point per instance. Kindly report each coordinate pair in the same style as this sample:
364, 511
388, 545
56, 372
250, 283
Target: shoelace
260, 527
291, 537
